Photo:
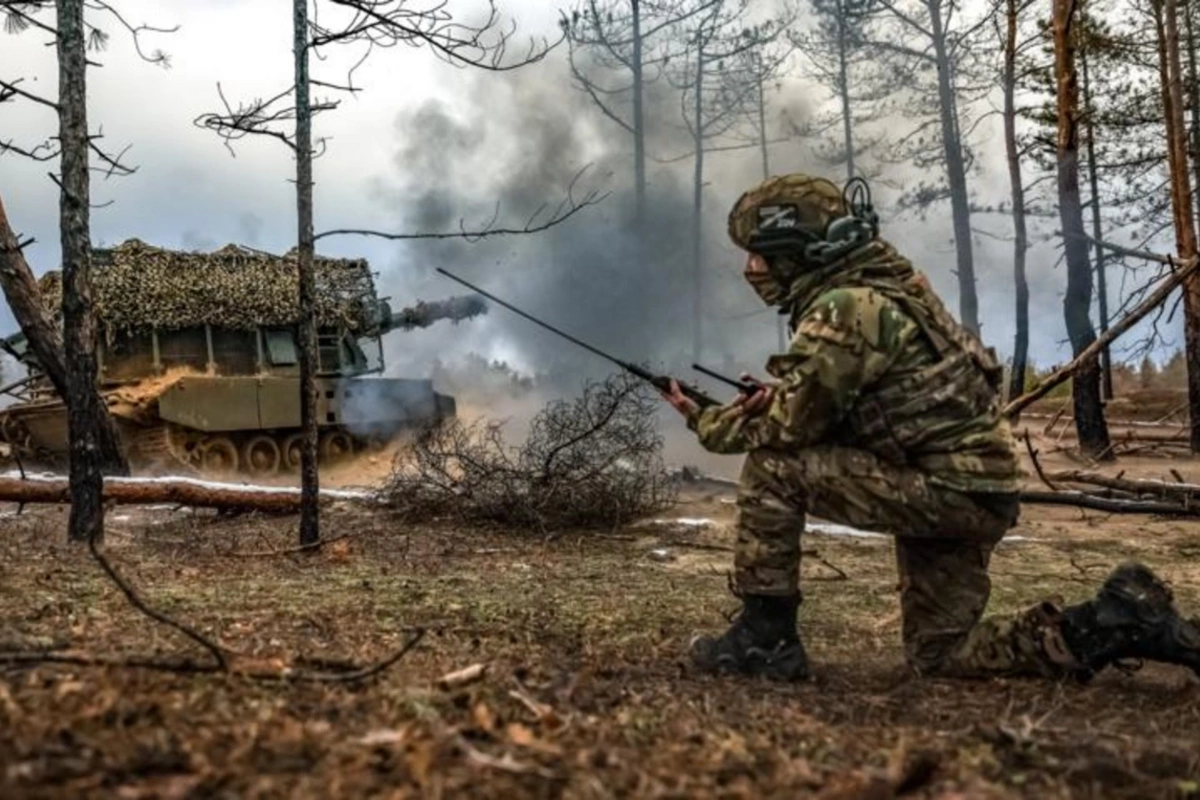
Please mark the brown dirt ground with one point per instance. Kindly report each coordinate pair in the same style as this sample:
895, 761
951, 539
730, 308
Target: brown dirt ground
592, 629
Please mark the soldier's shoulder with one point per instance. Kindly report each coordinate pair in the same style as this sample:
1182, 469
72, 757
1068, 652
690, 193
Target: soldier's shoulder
869, 311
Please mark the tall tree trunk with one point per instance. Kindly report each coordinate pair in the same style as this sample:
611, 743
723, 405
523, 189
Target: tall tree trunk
310, 508
697, 208
639, 120
1020, 235
1089, 411
1171, 72
780, 322
844, 89
1193, 96
956, 173
86, 413
1097, 231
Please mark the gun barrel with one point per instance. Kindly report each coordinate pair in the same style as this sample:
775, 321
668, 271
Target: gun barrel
423, 314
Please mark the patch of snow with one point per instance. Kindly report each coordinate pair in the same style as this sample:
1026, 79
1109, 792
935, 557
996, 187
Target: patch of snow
336, 494
834, 529
686, 522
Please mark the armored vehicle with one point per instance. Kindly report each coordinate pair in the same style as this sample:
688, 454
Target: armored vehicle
199, 362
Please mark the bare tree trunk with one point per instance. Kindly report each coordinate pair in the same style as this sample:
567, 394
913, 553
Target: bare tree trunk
780, 322
21, 291
1171, 71
1193, 96
306, 327
1097, 232
697, 208
86, 413
1020, 235
45, 340
844, 89
639, 120
1089, 410
956, 174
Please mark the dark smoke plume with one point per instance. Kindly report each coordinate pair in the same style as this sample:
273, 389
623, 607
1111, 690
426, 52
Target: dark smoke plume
515, 144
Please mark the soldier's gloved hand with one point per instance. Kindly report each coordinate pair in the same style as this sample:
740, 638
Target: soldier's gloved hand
681, 402
758, 401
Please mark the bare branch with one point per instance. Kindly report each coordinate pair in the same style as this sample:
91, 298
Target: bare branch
568, 208
157, 616
9, 90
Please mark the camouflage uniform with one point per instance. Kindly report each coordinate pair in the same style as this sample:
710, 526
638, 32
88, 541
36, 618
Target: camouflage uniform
886, 416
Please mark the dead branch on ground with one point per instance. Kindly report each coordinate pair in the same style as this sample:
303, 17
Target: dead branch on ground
1037, 465
592, 462
1121, 496
1179, 492
1115, 505
219, 663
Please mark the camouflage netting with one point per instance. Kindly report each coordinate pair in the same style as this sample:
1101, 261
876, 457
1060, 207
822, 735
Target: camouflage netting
136, 285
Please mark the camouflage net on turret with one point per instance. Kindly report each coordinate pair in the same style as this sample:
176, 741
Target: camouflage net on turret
135, 285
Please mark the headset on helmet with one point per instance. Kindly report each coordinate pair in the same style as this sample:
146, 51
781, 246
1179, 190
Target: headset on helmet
779, 230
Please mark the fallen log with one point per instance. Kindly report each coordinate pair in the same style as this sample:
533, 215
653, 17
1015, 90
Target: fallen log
1185, 492
1160, 294
1112, 423
177, 491
1085, 500
1136, 436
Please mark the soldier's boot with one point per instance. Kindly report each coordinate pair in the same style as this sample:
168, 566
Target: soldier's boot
1131, 617
762, 640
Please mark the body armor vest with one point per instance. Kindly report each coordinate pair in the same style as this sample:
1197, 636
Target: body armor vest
918, 416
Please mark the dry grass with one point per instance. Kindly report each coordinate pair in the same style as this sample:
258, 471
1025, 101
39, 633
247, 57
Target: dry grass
585, 695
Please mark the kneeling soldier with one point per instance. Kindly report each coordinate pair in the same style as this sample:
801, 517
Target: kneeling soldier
886, 415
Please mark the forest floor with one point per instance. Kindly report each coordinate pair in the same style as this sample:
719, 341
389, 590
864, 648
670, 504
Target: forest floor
586, 692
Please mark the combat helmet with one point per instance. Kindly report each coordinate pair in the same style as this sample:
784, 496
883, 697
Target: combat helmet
808, 219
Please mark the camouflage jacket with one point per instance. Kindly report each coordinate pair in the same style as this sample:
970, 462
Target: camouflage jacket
876, 362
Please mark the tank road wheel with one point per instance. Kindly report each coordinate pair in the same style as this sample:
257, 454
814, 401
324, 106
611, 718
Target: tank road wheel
219, 456
290, 452
335, 447
261, 456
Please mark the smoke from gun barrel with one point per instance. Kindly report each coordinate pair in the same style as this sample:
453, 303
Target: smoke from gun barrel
423, 314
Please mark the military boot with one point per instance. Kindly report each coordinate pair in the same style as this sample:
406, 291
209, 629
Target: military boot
761, 641
1132, 617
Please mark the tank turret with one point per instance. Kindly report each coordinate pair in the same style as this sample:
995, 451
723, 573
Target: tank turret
199, 362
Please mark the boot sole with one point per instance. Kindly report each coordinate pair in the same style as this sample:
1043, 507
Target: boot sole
788, 665
1149, 600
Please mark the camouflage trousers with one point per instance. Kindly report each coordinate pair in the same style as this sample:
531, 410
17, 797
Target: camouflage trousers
943, 538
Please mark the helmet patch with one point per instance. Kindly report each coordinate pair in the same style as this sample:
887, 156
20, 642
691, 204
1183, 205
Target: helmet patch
778, 217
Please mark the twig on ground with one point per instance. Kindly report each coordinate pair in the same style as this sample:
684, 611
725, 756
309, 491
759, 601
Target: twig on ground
187, 666
1037, 465
462, 677
839, 573
303, 548
219, 665
157, 616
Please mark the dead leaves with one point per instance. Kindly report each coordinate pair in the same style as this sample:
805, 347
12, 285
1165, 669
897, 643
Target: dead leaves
907, 771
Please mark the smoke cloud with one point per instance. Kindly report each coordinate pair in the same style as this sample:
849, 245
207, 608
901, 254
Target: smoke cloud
513, 146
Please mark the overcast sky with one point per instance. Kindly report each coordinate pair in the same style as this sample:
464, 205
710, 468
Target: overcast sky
189, 192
